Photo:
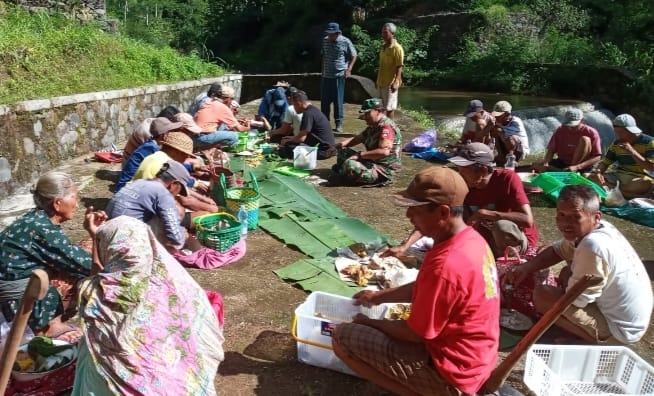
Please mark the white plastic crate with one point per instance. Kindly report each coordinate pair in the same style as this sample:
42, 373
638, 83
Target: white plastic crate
314, 323
552, 370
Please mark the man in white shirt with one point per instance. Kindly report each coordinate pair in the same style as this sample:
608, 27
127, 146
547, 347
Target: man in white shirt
291, 122
509, 133
616, 310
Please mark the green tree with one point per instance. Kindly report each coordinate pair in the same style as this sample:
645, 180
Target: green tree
181, 24
415, 45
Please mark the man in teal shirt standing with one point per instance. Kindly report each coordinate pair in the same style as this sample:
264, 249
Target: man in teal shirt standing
338, 58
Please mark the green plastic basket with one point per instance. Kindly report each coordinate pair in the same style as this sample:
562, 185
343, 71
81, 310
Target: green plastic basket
247, 196
553, 182
211, 237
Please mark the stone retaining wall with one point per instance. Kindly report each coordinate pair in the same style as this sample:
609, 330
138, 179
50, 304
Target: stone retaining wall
38, 135
83, 10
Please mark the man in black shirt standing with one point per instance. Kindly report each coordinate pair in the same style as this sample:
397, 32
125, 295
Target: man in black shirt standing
315, 130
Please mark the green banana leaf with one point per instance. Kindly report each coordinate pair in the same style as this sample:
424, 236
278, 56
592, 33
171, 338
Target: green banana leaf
318, 238
317, 275
278, 189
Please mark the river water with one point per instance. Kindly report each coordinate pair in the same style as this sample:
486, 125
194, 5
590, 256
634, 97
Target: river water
541, 115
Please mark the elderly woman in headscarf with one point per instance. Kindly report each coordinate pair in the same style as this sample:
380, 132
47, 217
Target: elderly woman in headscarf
36, 240
149, 328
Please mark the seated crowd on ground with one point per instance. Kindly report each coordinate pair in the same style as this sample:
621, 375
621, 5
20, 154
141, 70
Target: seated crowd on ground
466, 216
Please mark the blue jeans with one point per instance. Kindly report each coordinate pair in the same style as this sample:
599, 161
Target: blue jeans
332, 90
223, 138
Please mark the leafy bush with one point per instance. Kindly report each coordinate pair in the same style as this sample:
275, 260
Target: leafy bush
415, 45
421, 117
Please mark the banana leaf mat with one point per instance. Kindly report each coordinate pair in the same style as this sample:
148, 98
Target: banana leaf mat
294, 212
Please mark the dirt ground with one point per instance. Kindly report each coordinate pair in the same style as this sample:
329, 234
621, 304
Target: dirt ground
260, 354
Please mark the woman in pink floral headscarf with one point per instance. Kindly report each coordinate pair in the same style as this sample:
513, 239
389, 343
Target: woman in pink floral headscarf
149, 328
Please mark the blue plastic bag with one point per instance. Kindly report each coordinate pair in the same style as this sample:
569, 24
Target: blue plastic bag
433, 155
421, 143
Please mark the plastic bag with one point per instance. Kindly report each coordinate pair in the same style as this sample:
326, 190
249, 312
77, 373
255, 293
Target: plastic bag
432, 155
421, 143
4, 332
615, 198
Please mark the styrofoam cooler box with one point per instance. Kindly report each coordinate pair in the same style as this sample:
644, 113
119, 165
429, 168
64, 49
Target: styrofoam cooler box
314, 323
553, 370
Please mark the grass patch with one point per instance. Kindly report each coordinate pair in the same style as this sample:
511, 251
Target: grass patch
421, 117
44, 55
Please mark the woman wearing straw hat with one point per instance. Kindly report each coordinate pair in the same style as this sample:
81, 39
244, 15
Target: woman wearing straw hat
176, 146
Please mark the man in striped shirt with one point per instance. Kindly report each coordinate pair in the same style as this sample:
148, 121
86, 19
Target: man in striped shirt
633, 155
338, 57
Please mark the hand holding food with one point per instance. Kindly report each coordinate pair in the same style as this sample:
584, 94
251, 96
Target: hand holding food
394, 251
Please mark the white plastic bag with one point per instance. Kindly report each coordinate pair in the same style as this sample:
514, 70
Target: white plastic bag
4, 332
615, 198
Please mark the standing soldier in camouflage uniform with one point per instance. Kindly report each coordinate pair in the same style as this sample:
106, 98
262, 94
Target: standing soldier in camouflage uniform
377, 164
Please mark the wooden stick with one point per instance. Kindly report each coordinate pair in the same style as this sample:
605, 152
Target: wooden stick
36, 289
503, 370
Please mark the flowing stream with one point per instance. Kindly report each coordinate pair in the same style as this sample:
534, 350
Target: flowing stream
541, 115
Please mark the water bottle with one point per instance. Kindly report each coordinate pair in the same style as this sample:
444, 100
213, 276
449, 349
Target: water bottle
510, 162
253, 138
491, 144
243, 218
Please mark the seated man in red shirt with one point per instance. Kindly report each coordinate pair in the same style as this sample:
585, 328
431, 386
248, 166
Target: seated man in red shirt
576, 145
497, 205
448, 346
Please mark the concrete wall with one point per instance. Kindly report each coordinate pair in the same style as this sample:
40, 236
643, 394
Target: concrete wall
357, 88
83, 10
38, 135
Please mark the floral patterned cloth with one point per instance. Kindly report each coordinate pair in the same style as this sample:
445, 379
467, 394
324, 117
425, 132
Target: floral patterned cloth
33, 242
149, 328
521, 298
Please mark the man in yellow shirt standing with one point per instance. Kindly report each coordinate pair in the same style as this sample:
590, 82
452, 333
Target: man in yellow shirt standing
391, 63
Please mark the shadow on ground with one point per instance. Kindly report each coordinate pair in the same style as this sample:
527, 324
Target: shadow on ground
110, 176
271, 359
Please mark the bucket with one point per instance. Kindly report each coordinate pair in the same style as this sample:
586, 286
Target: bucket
242, 144
305, 157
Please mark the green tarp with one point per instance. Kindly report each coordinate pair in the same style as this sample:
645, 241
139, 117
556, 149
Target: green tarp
642, 216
